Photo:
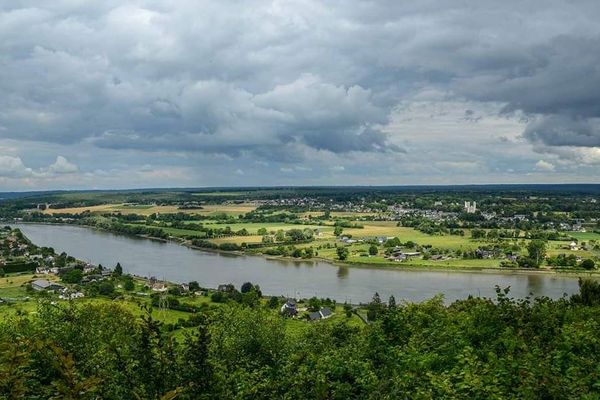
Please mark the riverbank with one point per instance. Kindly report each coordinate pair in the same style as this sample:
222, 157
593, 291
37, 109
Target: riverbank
403, 265
300, 278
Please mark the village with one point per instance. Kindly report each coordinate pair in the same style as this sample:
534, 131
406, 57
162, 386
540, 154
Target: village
30, 273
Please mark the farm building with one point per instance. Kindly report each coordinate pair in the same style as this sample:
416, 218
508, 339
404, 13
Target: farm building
43, 284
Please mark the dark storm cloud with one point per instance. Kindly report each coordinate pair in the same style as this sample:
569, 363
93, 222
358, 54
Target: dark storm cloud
263, 78
558, 130
560, 78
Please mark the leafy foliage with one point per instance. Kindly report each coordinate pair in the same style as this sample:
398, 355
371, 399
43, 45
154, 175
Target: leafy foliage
475, 348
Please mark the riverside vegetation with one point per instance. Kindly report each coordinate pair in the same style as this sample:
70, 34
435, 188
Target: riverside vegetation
475, 348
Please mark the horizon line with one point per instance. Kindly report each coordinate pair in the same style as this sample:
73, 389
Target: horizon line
274, 187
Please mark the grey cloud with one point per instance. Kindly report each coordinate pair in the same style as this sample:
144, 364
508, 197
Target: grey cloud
215, 116
274, 81
561, 130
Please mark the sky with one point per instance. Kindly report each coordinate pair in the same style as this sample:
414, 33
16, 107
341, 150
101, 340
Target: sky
190, 93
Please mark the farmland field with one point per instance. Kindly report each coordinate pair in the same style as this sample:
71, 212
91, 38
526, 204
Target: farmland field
585, 235
13, 285
238, 239
389, 229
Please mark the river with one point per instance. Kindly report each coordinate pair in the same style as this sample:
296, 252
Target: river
176, 263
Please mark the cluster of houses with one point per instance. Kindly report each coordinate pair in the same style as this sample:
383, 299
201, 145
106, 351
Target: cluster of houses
575, 227
313, 203
92, 273
13, 245
290, 309
296, 201
399, 211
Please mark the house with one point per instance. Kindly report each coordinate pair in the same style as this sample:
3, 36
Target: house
159, 287
289, 309
399, 255
512, 257
225, 288
407, 254
573, 246
314, 316
481, 253
437, 257
42, 270
43, 284
326, 312
184, 287
68, 295
381, 239
89, 268
91, 278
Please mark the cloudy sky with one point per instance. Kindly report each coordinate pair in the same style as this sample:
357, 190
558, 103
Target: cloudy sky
124, 94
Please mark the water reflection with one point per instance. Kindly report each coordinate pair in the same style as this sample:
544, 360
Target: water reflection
534, 283
343, 272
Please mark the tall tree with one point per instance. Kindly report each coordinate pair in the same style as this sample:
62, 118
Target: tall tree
392, 302
118, 270
537, 251
342, 253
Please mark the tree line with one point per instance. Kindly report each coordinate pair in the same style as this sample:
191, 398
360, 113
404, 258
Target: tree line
474, 348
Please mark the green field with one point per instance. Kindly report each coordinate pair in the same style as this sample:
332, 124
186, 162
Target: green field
585, 235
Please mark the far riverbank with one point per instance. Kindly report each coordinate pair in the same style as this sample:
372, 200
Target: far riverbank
404, 265
173, 262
